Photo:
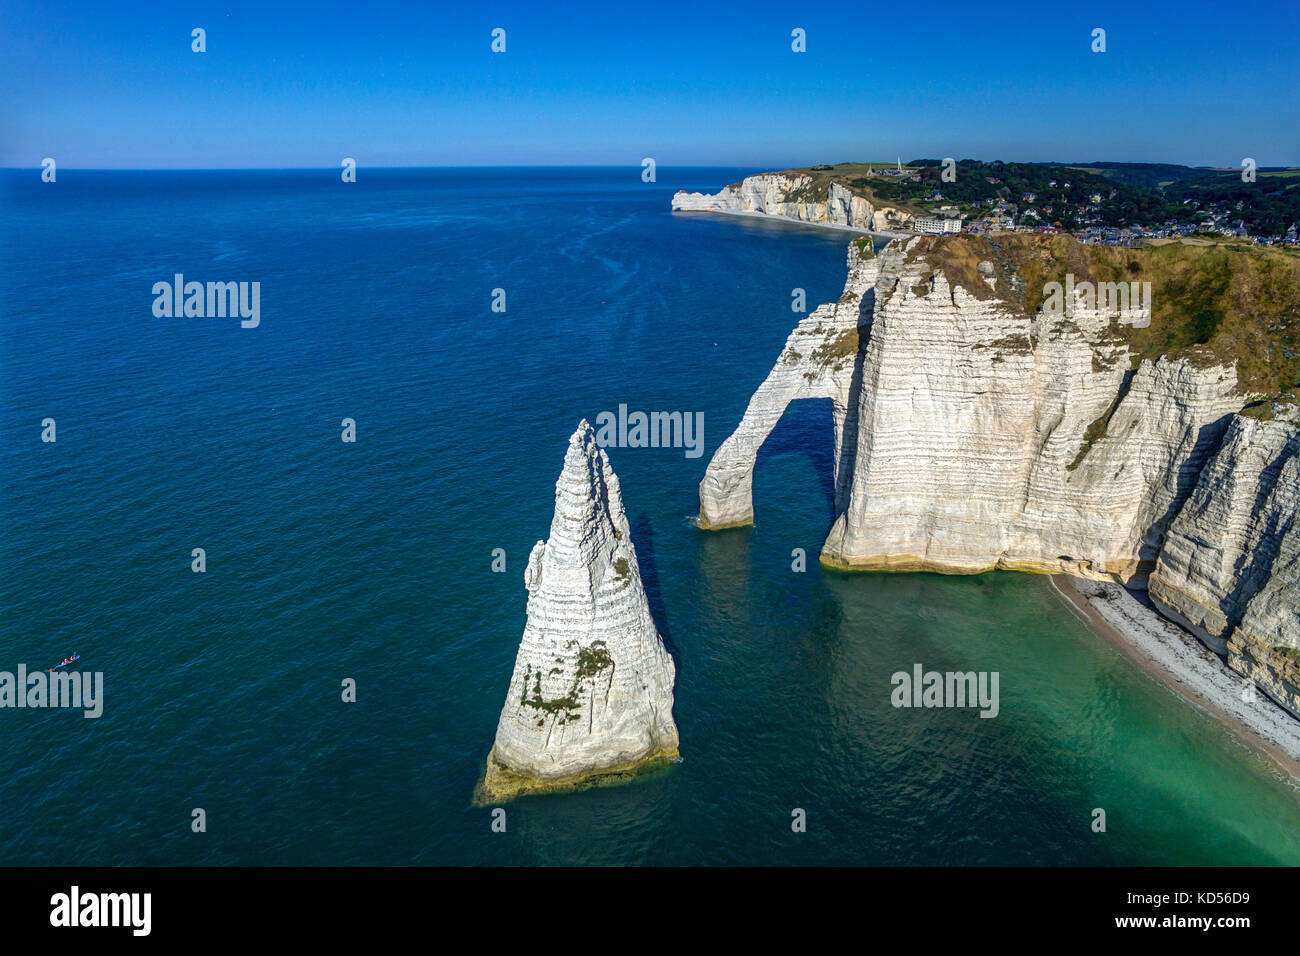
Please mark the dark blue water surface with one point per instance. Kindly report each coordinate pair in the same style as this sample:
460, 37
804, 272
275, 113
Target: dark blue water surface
373, 560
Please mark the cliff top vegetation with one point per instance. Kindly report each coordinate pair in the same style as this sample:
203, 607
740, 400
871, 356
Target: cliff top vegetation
1222, 303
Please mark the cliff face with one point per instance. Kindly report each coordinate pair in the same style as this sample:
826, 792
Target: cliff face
793, 197
993, 438
1230, 567
973, 433
592, 692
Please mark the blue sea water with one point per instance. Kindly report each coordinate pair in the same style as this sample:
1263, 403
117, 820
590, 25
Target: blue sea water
372, 560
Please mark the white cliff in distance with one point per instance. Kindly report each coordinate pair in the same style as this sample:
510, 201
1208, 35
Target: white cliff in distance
794, 196
591, 697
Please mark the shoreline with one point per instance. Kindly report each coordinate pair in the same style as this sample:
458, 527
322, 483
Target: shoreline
1174, 658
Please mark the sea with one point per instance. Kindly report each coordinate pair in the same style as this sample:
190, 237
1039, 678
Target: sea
390, 568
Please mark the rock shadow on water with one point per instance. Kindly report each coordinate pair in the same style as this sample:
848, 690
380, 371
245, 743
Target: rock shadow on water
643, 539
806, 429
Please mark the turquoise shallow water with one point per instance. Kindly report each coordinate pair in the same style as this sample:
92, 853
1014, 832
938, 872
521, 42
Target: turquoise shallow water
373, 560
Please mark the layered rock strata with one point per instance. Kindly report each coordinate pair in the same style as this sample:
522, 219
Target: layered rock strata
1230, 567
792, 197
989, 437
591, 697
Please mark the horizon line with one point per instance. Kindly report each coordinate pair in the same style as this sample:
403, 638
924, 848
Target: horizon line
632, 165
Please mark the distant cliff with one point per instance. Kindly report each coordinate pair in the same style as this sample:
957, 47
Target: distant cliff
979, 424
797, 195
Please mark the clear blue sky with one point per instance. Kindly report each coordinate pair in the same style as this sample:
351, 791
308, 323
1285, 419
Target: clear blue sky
112, 85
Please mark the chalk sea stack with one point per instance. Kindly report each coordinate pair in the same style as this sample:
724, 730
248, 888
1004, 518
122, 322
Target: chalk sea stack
591, 698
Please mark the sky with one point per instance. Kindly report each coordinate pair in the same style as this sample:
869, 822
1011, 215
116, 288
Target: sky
116, 85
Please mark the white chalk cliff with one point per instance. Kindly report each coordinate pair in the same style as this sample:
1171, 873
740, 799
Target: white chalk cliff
1230, 567
592, 693
991, 438
791, 197
971, 435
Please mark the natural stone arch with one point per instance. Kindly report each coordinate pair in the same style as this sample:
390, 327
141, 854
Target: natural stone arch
821, 359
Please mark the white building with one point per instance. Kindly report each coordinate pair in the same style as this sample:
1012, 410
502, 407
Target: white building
935, 227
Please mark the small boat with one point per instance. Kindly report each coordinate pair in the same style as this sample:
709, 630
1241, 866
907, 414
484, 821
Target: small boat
64, 663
